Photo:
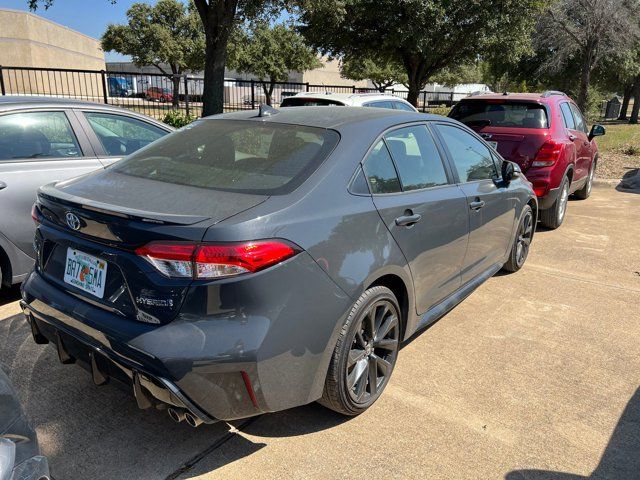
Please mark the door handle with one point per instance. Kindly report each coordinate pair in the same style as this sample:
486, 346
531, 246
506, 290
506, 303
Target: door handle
476, 205
408, 220
572, 137
2, 185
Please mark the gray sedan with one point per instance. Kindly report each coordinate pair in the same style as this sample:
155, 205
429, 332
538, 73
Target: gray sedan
43, 140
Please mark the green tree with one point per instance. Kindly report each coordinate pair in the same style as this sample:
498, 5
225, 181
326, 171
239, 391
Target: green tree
166, 34
270, 53
383, 73
424, 36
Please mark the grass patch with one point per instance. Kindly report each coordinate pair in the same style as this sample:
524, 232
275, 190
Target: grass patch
620, 138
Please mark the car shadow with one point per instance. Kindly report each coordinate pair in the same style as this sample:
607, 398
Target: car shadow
621, 457
9, 295
99, 433
630, 182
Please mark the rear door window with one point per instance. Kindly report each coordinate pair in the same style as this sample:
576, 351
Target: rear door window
567, 116
308, 102
581, 124
498, 113
416, 157
121, 135
471, 158
380, 172
33, 135
383, 104
234, 155
403, 106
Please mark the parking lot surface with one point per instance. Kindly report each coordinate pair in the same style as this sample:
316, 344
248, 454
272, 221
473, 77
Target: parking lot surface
536, 375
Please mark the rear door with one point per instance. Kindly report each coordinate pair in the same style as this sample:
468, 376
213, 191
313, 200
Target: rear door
115, 135
36, 148
580, 138
491, 209
423, 209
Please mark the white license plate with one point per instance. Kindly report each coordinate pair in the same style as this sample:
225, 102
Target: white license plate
86, 272
494, 145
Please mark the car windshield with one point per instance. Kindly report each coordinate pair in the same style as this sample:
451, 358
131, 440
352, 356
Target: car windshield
308, 102
234, 155
500, 113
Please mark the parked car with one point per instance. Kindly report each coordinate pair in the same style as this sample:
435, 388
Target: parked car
119, 87
160, 94
43, 140
314, 99
20, 457
255, 262
546, 135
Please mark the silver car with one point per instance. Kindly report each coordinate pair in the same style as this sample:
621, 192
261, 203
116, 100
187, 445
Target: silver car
43, 140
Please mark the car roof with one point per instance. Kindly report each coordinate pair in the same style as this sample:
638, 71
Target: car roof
352, 99
536, 97
332, 117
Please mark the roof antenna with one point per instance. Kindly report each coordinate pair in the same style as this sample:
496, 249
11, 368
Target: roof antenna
265, 110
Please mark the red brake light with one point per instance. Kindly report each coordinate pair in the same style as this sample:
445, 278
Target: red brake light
215, 261
34, 214
548, 154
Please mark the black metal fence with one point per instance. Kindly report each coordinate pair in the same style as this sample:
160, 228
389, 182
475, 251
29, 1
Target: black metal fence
155, 94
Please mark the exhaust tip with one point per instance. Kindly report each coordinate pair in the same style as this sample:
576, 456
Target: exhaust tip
192, 419
176, 415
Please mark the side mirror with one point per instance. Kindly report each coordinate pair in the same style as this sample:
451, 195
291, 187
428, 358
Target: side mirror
510, 171
597, 131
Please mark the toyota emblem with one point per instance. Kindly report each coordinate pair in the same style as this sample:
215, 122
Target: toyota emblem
73, 221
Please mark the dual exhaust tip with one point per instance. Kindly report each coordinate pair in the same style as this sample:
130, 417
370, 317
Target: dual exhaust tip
179, 414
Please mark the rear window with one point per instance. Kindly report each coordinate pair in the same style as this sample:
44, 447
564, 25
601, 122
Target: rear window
478, 113
308, 102
233, 155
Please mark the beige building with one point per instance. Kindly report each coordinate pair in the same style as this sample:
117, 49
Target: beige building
27, 40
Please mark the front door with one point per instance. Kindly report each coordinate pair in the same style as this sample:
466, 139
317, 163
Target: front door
580, 138
424, 211
490, 207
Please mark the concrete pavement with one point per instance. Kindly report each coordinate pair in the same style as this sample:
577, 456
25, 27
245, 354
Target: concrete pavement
536, 374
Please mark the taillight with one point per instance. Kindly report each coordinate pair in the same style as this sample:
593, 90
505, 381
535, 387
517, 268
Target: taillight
207, 261
34, 214
548, 154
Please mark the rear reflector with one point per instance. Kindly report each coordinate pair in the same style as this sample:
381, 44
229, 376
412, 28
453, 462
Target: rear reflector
206, 261
34, 214
548, 154
540, 191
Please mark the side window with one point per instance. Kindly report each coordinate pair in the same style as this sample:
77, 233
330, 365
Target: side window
403, 106
471, 157
380, 172
580, 122
567, 116
121, 135
37, 135
416, 157
383, 104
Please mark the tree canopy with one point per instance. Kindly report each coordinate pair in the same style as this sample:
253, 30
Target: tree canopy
382, 72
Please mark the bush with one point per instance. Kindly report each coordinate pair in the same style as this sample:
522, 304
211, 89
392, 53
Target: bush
177, 118
631, 150
439, 110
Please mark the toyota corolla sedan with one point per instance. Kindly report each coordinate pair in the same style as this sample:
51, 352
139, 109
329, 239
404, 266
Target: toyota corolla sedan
256, 261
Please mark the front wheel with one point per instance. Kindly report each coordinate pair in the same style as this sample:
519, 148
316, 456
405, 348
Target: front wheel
522, 242
366, 352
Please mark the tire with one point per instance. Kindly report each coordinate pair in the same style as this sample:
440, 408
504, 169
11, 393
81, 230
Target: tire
163, 100
522, 241
348, 386
585, 191
147, 98
553, 217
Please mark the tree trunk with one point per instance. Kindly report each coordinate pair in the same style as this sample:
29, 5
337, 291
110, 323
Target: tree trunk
213, 91
416, 77
268, 92
176, 90
636, 101
585, 78
628, 89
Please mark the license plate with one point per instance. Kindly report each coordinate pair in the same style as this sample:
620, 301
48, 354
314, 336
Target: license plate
85, 272
494, 145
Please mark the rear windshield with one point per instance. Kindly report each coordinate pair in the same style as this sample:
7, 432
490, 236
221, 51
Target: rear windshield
233, 155
308, 102
479, 113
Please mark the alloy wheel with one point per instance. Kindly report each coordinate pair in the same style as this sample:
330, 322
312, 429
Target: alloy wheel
373, 352
525, 234
590, 180
564, 198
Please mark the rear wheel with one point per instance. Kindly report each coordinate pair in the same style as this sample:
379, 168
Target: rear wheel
554, 216
365, 354
585, 191
522, 242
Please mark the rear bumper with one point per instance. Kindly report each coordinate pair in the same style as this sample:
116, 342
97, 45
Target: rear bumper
237, 349
549, 199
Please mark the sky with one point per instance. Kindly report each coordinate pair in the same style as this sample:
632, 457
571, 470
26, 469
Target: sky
90, 17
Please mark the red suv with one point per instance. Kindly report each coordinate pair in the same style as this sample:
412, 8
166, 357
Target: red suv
546, 134
159, 93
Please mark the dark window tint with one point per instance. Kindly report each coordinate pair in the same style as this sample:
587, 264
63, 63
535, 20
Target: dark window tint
471, 157
232, 155
403, 106
308, 102
380, 172
416, 157
37, 135
580, 122
379, 104
499, 113
567, 116
120, 135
